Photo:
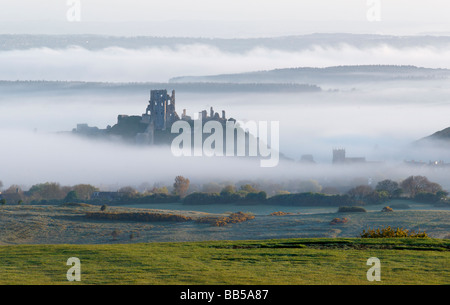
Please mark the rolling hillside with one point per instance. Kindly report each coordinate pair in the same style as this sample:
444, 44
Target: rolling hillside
441, 137
337, 74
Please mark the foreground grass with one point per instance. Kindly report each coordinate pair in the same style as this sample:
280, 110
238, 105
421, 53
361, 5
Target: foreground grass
271, 262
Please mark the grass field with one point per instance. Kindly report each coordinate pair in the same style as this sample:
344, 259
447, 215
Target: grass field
268, 262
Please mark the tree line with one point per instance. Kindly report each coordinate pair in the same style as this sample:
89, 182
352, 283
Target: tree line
417, 188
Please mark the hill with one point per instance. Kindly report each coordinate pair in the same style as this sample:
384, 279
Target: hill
440, 138
337, 74
68, 88
443, 135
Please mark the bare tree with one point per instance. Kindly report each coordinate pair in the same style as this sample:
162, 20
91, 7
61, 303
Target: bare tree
419, 184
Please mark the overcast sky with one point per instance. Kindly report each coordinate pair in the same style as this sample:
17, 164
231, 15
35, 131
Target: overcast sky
225, 18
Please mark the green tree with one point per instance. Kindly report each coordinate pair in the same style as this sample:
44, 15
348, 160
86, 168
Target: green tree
248, 188
84, 191
260, 196
227, 190
377, 197
71, 196
160, 190
229, 195
392, 188
429, 197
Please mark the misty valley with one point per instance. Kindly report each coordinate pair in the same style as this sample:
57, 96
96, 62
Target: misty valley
339, 147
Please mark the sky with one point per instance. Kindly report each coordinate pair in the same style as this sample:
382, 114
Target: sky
224, 18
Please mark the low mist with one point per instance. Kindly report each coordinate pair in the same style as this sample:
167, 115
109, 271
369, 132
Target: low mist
378, 124
378, 121
159, 64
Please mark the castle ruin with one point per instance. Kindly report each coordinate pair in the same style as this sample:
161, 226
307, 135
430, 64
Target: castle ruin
339, 157
161, 114
152, 127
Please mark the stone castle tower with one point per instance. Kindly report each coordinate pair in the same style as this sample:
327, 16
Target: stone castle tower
159, 115
161, 109
339, 155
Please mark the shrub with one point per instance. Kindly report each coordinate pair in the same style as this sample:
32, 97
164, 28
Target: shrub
351, 210
392, 188
279, 213
222, 221
115, 234
427, 197
388, 232
143, 216
71, 197
336, 221
387, 209
260, 196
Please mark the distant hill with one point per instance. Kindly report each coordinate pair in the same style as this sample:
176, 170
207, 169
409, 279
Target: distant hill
68, 87
441, 137
337, 74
